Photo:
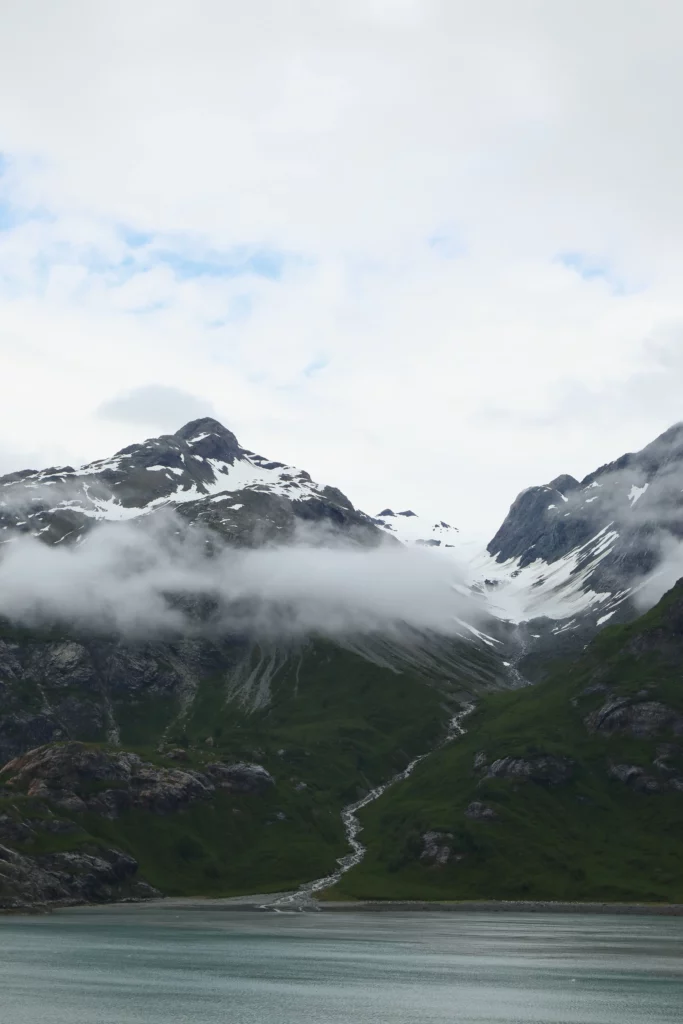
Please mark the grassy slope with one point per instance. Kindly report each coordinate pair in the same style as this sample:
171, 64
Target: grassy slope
593, 838
335, 722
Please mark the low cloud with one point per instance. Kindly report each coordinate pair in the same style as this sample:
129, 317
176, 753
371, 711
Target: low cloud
668, 572
165, 578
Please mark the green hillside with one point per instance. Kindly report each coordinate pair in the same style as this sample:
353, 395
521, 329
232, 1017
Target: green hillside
326, 723
587, 806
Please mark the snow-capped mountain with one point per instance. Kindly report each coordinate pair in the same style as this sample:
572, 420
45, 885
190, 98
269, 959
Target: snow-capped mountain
515, 590
570, 553
573, 552
203, 475
586, 547
201, 472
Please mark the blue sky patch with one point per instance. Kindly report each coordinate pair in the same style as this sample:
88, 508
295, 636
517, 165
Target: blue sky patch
316, 365
447, 244
214, 263
591, 268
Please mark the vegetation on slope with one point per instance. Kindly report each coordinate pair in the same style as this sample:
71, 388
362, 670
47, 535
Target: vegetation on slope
612, 829
334, 726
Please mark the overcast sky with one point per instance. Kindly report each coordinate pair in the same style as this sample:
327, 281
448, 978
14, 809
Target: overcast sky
428, 251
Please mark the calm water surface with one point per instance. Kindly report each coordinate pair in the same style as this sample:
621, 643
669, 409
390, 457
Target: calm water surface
162, 965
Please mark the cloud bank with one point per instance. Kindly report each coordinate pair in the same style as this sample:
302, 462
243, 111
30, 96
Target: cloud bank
166, 579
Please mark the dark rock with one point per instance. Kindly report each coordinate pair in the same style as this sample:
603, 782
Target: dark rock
436, 848
64, 776
548, 522
635, 777
67, 878
641, 719
240, 778
217, 442
564, 483
543, 768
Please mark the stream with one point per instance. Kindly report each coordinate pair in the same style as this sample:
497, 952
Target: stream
303, 898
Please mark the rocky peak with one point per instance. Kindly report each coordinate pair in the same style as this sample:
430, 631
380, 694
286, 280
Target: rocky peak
210, 439
564, 483
532, 528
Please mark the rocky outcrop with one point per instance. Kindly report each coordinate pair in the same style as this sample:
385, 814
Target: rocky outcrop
96, 875
437, 848
53, 782
77, 778
544, 768
642, 719
635, 777
533, 529
639, 779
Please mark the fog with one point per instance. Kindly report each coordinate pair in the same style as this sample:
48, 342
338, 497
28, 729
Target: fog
168, 578
669, 569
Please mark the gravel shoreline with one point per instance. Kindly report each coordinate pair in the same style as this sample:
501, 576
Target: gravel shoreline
516, 906
263, 904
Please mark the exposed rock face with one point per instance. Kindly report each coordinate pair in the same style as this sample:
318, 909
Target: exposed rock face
544, 768
641, 719
638, 497
73, 779
637, 778
436, 848
95, 876
533, 529
633, 776
76, 778
201, 471
55, 690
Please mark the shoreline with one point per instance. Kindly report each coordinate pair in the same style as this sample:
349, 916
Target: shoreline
264, 904
507, 906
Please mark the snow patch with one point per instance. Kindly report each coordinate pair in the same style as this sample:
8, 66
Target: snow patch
636, 492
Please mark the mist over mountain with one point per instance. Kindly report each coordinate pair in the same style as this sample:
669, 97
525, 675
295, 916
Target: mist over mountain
167, 517
192, 633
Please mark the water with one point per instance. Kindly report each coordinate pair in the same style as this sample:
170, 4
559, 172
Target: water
303, 898
160, 965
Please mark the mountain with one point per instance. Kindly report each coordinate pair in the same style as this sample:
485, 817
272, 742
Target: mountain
208, 759
201, 472
213, 754
571, 556
568, 790
593, 543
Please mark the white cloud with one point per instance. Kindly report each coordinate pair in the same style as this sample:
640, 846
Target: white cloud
341, 138
140, 578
